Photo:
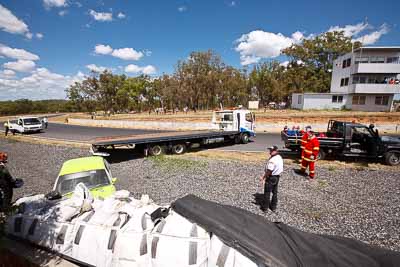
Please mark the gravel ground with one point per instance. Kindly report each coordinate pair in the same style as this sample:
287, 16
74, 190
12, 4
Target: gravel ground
359, 203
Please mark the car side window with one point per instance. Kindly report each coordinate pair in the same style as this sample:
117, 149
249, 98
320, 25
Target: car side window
249, 117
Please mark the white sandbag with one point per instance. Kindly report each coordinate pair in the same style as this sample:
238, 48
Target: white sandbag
94, 239
114, 234
131, 247
221, 255
175, 241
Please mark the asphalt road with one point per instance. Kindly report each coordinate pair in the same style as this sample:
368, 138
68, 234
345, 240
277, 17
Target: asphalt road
86, 134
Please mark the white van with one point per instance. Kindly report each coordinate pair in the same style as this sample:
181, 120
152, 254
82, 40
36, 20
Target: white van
25, 125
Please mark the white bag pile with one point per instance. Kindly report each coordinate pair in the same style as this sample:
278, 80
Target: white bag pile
118, 231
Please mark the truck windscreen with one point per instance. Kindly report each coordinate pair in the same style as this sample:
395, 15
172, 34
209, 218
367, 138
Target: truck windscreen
31, 121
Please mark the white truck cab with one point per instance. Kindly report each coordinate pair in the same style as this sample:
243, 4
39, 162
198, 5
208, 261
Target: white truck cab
25, 125
241, 120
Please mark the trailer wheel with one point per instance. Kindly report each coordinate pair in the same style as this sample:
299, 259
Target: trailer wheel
321, 155
392, 158
156, 150
178, 149
245, 138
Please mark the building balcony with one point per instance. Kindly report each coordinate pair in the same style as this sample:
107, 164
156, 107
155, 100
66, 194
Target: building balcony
383, 68
374, 88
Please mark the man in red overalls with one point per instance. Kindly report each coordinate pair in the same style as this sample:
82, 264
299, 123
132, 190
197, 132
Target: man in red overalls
309, 152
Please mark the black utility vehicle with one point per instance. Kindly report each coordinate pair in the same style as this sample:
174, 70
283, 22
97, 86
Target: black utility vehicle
351, 140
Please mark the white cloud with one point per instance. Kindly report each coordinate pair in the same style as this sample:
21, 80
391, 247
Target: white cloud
54, 3
62, 13
133, 68
121, 15
11, 24
350, 30
101, 16
354, 31
103, 49
260, 44
40, 84
95, 68
7, 74
20, 65
182, 8
232, 3
17, 53
39, 35
149, 69
374, 36
127, 54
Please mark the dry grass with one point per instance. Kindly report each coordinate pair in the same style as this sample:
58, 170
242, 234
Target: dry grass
44, 141
273, 116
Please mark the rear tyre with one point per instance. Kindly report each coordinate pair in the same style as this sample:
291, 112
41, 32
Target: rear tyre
392, 158
179, 149
5, 195
156, 150
321, 154
245, 138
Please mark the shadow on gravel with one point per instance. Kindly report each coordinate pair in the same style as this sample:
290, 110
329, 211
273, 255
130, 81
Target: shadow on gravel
258, 199
362, 162
121, 155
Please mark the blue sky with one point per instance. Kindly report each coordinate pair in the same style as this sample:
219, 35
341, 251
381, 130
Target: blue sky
47, 44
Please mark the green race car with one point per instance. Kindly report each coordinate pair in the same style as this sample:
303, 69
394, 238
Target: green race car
94, 172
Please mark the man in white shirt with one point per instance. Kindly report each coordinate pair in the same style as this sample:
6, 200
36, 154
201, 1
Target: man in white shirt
273, 170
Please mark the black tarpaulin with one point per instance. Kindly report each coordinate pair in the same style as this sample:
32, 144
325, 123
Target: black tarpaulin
277, 244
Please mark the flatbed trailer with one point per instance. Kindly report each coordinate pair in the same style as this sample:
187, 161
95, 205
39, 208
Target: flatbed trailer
229, 127
175, 142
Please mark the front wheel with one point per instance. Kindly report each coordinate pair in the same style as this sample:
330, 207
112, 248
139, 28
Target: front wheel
6, 193
245, 138
321, 154
392, 158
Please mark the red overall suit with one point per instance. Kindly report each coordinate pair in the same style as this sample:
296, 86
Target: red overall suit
310, 147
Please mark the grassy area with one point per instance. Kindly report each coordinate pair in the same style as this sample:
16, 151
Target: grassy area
274, 116
177, 162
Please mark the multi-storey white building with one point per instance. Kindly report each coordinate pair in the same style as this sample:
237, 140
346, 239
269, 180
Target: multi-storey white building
366, 79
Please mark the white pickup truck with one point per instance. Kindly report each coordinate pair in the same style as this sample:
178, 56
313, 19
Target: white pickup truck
25, 125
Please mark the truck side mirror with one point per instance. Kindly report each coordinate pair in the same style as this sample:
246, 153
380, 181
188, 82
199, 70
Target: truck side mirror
114, 180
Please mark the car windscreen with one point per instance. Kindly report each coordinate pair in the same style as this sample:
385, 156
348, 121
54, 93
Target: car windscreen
91, 179
31, 121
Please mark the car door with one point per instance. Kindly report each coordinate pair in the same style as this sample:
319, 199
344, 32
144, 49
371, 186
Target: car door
20, 126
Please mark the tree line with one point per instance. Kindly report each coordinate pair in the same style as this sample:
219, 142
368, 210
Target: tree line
26, 106
204, 81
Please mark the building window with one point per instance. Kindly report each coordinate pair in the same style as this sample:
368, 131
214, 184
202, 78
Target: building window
346, 63
382, 100
337, 99
393, 60
377, 60
344, 81
359, 79
361, 60
359, 99
299, 99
